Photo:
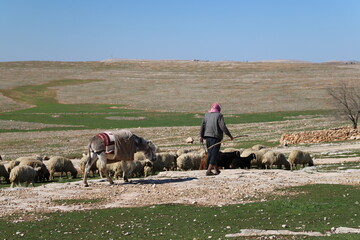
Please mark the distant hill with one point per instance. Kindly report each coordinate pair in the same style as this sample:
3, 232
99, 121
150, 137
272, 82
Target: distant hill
283, 61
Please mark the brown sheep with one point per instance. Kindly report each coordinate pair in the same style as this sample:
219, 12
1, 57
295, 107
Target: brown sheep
62, 165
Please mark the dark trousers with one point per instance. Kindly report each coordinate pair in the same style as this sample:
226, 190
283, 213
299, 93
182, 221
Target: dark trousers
212, 152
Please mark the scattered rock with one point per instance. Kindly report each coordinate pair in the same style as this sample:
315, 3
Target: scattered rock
189, 140
327, 135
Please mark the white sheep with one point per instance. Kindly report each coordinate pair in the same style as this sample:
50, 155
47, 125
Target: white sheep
165, 161
40, 168
148, 169
83, 161
17, 161
118, 169
20, 174
189, 161
182, 151
4, 173
62, 165
127, 168
113, 169
271, 158
12, 164
232, 150
258, 147
259, 155
299, 157
139, 156
33, 157
142, 168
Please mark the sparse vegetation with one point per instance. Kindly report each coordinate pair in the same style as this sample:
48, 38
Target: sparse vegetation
308, 208
60, 105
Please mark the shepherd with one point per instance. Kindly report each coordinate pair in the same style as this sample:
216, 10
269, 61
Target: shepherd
110, 147
212, 130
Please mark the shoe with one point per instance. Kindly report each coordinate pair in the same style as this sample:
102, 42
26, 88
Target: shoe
217, 172
209, 174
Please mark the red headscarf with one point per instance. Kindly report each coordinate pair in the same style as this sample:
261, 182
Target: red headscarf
215, 108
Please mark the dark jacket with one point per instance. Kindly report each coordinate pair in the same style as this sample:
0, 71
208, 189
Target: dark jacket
213, 125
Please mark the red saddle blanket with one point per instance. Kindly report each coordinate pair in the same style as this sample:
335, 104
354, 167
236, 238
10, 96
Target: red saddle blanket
108, 140
119, 143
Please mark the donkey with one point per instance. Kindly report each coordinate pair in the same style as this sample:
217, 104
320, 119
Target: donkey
110, 147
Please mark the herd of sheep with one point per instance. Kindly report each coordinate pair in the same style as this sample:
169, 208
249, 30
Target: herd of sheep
29, 170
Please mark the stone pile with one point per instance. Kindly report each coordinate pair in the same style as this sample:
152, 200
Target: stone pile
317, 136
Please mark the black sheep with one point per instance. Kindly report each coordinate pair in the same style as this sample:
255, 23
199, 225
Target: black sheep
243, 162
226, 159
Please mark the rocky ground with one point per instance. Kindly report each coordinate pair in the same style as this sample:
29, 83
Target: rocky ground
185, 187
326, 135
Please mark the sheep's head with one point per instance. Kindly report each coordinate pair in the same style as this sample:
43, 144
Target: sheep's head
74, 173
148, 164
311, 163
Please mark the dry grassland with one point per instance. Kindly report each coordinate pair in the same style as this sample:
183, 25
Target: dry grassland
187, 86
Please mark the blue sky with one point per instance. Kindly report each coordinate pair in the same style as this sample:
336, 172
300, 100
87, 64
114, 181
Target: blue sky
215, 30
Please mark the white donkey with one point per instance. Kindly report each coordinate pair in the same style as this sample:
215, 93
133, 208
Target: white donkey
110, 147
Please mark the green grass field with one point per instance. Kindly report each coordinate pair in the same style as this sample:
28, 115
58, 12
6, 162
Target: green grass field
308, 208
91, 116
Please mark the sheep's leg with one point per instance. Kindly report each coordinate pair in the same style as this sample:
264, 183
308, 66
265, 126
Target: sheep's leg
103, 161
91, 159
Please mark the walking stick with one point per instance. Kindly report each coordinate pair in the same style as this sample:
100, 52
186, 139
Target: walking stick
226, 141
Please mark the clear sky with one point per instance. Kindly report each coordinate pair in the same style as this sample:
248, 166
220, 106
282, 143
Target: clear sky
215, 30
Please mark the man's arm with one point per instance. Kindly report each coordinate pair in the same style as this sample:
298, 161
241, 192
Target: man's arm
202, 131
223, 127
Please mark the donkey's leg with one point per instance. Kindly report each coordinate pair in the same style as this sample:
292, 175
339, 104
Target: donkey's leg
91, 159
125, 171
103, 161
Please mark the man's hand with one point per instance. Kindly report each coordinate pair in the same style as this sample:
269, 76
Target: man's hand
201, 140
